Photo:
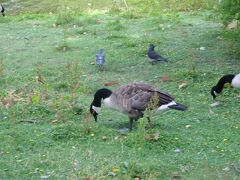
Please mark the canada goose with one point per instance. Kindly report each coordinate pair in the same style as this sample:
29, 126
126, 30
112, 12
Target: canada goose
233, 80
2, 9
153, 56
132, 100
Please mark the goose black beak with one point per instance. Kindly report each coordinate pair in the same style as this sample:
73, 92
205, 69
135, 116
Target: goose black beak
95, 116
213, 93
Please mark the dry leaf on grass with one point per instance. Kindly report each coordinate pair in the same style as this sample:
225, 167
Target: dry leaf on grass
165, 78
188, 126
104, 138
54, 122
233, 25
182, 85
111, 83
210, 111
12, 98
155, 136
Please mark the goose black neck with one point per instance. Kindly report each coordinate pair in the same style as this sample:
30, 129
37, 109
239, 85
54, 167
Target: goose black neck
99, 95
151, 47
225, 79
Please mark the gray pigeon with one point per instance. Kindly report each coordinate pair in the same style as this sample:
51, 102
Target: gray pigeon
2, 9
100, 59
153, 56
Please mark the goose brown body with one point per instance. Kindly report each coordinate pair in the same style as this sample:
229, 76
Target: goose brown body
133, 99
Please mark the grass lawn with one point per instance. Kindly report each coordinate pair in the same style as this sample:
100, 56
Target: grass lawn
46, 131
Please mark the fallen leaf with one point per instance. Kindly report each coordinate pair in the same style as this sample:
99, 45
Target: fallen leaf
165, 78
88, 178
110, 83
112, 174
226, 169
155, 136
39, 79
104, 138
116, 138
176, 176
54, 122
115, 170
211, 112
98, 21
182, 85
188, 126
233, 25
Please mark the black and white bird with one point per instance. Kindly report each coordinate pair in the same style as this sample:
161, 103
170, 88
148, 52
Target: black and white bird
233, 80
133, 99
153, 56
100, 59
2, 9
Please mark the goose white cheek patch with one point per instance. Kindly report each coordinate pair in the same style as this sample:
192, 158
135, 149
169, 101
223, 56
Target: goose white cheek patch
97, 109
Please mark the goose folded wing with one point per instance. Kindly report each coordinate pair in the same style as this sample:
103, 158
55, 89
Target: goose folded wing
164, 98
140, 100
134, 96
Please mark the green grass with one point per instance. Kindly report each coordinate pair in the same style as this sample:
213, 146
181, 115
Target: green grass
46, 131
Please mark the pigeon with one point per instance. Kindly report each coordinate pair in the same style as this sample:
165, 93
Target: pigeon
153, 56
100, 59
2, 9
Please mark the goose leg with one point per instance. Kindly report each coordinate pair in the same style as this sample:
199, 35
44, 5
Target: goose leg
130, 123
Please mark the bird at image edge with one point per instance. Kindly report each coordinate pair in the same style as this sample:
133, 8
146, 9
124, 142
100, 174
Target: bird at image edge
232, 79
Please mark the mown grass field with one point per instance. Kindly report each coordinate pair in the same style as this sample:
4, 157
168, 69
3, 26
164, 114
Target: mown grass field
46, 131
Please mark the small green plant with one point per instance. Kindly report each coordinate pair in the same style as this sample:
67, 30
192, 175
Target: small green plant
82, 30
66, 131
74, 71
151, 108
131, 14
116, 6
229, 10
86, 123
1, 68
115, 25
138, 138
65, 16
193, 71
64, 45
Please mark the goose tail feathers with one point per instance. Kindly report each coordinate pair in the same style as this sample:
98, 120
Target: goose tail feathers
178, 106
